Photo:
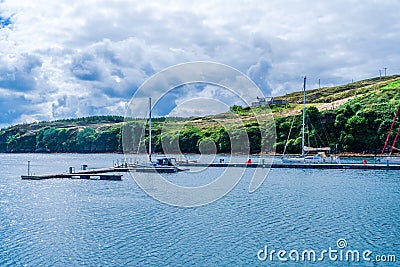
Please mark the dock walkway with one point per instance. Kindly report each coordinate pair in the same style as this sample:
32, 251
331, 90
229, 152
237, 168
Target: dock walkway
297, 166
94, 174
104, 173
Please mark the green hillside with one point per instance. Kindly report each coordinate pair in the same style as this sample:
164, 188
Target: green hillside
352, 118
331, 94
90, 134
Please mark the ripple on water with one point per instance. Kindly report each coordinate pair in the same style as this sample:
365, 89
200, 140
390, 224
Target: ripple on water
66, 222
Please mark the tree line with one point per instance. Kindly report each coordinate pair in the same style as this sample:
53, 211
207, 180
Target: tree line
350, 129
360, 125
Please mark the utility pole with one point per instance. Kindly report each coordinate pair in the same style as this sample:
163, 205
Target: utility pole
380, 74
319, 83
385, 70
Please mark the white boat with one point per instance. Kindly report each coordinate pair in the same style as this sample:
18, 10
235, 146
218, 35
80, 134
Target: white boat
305, 157
320, 157
161, 165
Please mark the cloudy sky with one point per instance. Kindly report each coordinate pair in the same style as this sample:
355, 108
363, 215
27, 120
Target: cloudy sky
63, 59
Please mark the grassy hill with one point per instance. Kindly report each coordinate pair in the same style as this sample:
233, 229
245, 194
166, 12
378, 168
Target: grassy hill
332, 94
354, 117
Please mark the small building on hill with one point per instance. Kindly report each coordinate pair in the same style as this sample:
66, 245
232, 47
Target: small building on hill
263, 101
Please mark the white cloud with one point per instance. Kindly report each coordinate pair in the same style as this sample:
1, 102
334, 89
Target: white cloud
88, 58
203, 99
198, 106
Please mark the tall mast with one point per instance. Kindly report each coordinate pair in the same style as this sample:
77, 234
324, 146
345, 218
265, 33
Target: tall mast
150, 128
304, 117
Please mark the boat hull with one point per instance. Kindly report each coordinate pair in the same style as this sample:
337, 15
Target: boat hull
152, 169
311, 160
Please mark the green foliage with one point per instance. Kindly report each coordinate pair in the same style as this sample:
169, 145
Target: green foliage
85, 139
133, 132
108, 141
52, 139
254, 135
92, 120
223, 141
237, 109
12, 142
329, 94
189, 139
360, 125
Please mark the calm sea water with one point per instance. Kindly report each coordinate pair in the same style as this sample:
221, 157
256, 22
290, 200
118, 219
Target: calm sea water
68, 222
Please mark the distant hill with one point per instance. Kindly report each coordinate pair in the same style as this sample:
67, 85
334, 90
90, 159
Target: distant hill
88, 134
354, 117
335, 93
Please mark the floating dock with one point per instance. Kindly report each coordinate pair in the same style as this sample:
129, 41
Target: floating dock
105, 173
114, 177
95, 174
296, 166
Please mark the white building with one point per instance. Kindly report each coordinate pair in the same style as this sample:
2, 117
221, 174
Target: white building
264, 101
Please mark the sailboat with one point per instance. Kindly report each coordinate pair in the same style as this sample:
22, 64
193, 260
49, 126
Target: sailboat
162, 164
305, 158
390, 159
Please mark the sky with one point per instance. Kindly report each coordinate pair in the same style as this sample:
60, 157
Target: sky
66, 59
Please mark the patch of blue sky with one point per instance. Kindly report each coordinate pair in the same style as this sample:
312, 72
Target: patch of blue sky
4, 22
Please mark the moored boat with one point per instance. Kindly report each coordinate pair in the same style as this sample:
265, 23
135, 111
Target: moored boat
161, 165
306, 157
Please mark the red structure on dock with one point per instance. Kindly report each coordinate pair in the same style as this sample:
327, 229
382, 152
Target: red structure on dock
392, 147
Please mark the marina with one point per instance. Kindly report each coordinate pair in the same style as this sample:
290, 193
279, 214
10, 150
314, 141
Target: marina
111, 173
